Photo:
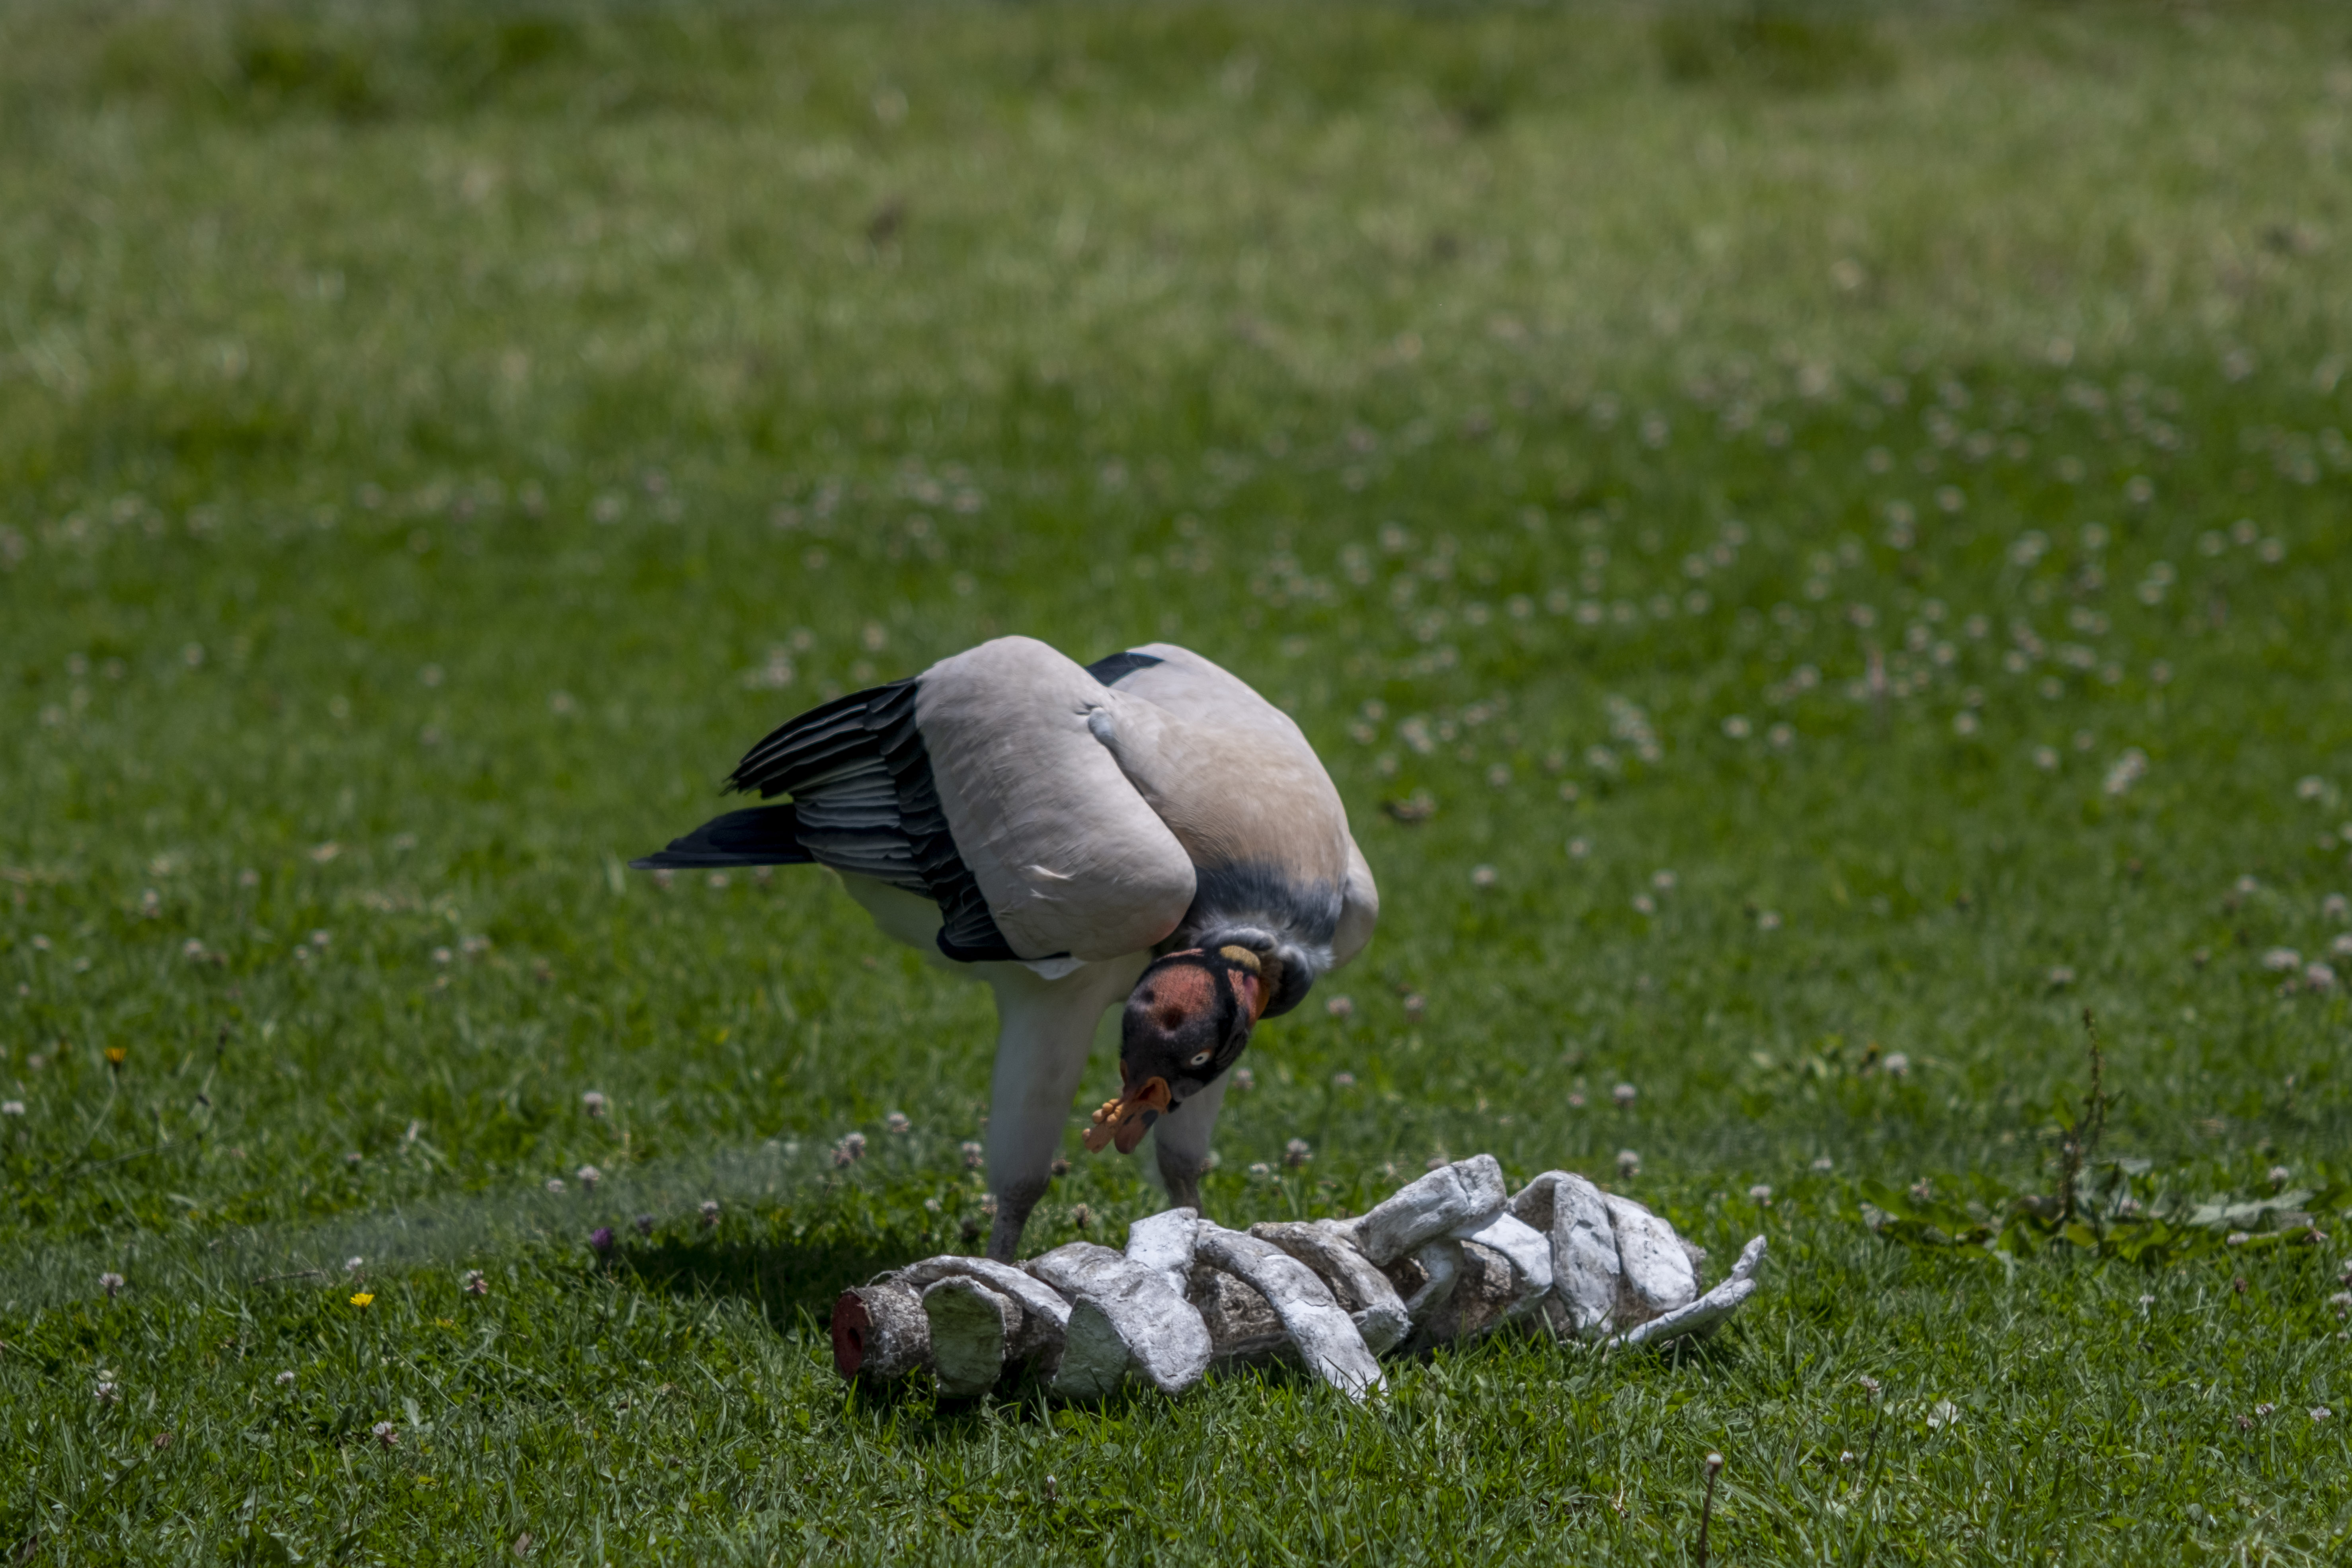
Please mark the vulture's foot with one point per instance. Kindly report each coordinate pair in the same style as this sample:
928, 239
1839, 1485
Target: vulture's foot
1013, 1208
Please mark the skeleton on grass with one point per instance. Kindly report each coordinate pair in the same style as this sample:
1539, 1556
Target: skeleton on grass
1450, 1257
1145, 830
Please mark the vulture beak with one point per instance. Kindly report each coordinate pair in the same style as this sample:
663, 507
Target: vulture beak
1126, 1120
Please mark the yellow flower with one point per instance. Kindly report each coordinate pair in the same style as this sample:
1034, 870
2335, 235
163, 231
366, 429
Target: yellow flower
363, 1298
115, 1055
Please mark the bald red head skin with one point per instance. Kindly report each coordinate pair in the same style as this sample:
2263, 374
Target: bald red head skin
1188, 1020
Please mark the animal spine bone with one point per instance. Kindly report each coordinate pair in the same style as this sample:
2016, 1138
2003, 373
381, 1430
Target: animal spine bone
1447, 1256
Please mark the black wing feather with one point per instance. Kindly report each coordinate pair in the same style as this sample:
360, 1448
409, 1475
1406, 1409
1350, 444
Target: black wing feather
864, 801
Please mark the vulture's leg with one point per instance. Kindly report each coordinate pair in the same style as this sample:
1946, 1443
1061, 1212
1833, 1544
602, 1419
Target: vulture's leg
1181, 1141
1048, 1027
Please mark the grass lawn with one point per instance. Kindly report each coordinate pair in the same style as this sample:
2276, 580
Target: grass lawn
1816, 548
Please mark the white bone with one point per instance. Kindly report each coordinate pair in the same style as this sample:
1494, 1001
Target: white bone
1655, 1275
880, 1330
1163, 1244
970, 1326
1116, 1300
1329, 1248
1528, 1252
1326, 1337
1450, 1198
1585, 1275
1044, 1314
1708, 1310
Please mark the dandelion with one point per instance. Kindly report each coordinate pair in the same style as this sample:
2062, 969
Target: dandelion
1624, 1094
589, 1176
1760, 1194
1629, 1163
897, 1122
1340, 1007
363, 1299
601, 1238
112, 1283
284, 1379
386, 1433
476, 1283
972, 1155
1899, 1065
594, 1103
2282, 960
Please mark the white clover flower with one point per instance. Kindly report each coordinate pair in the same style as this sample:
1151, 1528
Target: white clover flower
2319, 976
1899, 1065
1762, 1193
555, 1184
973, 1154
284, 1379
386, 1433
897, 1122
593, 1102
12, 1107
1629, 1163
2282, 960
1624, 1094
589, 1175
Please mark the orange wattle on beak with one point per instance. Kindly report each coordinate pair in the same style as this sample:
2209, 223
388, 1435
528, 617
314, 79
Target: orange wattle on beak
1126, 1120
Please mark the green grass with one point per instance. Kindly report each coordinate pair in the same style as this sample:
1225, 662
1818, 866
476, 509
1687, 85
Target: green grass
428, 435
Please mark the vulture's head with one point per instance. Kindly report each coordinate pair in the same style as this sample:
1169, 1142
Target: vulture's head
1187, 1019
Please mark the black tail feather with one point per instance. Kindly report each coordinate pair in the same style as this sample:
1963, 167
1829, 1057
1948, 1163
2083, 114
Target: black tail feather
763, 836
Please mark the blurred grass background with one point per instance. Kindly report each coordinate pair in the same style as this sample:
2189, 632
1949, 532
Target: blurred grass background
1804, 452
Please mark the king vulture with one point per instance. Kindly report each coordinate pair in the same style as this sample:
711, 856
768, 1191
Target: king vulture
1145, 828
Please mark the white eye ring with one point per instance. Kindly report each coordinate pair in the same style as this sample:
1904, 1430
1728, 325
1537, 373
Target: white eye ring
1201, 1060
